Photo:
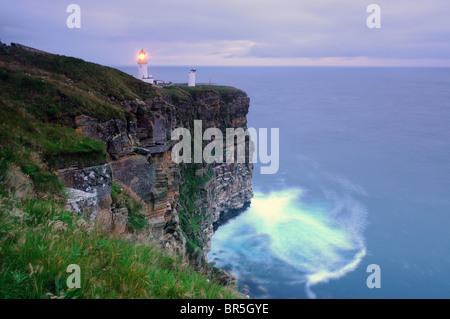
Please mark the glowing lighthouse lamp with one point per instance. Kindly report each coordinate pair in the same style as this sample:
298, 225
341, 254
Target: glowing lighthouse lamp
143, 69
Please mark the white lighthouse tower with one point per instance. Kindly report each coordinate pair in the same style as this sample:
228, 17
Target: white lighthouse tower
143, 68
191, 77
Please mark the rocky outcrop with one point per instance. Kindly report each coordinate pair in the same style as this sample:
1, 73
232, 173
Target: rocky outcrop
89, 192
140, 158
83, 203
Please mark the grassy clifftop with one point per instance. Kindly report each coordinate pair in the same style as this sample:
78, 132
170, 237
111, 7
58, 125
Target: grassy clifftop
39, 240
40, 96
55, 88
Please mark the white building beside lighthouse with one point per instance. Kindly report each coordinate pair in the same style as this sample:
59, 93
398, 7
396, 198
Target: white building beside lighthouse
191, 77
143, 68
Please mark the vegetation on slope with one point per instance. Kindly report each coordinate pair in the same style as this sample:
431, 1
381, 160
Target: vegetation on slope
185, 93
57, 88
39, 240
123, 196
191, 216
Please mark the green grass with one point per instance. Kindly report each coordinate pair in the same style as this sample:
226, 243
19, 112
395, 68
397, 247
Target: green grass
56, 88
101, 80
191, 216
41, 240
52, 100
176, 93
187, 94
219, 89
30, 143
122, 197
38, 149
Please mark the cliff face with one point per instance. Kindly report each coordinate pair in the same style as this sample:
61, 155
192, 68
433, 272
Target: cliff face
140, 159
229, 189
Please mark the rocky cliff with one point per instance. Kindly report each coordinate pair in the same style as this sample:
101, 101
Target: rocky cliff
97, 142
221, 190
139, 151
107, 137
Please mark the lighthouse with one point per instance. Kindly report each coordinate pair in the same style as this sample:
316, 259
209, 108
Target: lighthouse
191, 77
143, 68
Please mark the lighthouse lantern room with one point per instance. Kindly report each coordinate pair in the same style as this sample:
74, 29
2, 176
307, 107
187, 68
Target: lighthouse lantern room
143, 68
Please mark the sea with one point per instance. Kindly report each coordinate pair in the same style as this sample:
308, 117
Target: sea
363, 180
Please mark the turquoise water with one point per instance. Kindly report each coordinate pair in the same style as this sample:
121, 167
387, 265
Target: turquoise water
364, 179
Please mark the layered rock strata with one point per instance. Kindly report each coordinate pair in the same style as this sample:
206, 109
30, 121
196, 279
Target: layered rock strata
140, 158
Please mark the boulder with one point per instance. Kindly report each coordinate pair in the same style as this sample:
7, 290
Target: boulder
94, 180
82, 203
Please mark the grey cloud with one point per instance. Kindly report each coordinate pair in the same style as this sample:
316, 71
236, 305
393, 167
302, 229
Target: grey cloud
279, 29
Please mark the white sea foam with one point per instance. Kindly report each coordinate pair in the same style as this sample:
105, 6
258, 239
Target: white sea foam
323, 242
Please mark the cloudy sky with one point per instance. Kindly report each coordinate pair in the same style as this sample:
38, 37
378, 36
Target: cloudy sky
235, 32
